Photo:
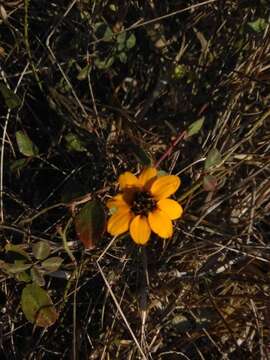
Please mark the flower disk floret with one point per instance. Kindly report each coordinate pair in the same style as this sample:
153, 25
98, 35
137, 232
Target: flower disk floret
143, 206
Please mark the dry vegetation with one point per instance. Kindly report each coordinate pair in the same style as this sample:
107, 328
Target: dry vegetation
92, 88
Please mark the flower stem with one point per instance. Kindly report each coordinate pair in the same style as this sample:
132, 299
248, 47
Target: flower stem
169, 150
145, 281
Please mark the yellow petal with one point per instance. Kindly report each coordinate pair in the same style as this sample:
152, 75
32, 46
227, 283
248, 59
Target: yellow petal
171, 208
147, 176
117, 201
119, 222
140, 230
165, 186
128, 180
160, 223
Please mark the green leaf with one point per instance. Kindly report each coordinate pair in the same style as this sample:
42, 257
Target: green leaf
213, 159
18, 164
52, 264
121, 38
74, 143
121, 47
131, 41
12, 100
37, 306
25, 144
37, 276
84, 72
12, 269
17, 249
104, 64
17, 267
90, 223
108, 34
122, 57
103, 31
258, 25
23, 276
41, 250
195, 127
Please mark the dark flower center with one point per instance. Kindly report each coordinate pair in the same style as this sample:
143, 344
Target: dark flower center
143, 203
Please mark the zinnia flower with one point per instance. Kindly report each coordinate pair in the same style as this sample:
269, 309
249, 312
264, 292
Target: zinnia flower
143, 206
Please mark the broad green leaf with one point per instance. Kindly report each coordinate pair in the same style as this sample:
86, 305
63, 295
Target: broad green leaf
41, 250
12, 100
17, 267
195, 127
213, 159
131, 41
52, 264
74, 143
26, 145
17, 249
37, 306
37, 276
258, 25
90, 223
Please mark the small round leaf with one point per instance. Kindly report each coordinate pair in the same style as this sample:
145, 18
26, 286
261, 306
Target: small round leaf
41, 250
37, 306
26, 145
90, 223
52, 264
213, 159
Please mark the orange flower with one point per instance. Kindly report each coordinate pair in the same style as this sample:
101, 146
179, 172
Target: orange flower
143, 206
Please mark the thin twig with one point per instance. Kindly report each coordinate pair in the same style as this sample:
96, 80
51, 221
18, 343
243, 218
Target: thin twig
115, 300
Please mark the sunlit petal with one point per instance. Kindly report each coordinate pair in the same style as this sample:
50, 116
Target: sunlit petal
128, 180
165, 186
171, 208
140, 230
160, 223
147, 176
119, 222
116, 202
